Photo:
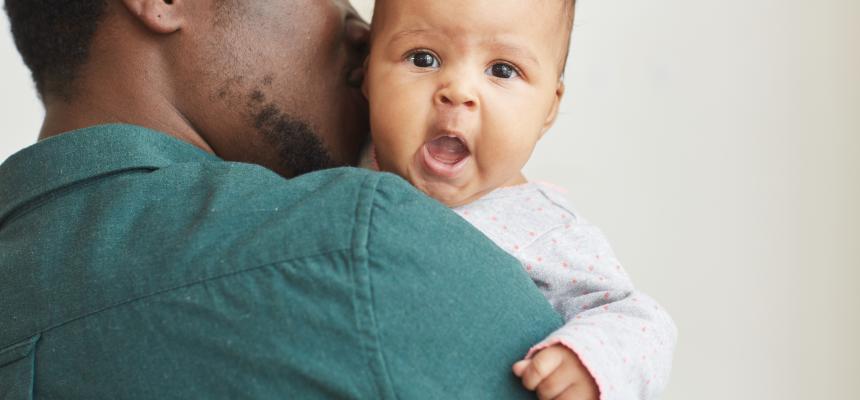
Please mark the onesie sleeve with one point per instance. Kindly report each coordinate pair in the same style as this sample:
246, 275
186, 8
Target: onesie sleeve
622, 336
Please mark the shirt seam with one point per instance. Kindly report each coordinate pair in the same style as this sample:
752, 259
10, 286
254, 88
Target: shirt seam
179, 287
364, 294
34, 203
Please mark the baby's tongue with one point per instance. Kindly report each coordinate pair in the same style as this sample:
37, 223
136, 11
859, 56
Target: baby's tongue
446, 149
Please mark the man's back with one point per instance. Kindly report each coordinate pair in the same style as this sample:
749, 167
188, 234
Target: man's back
138, 266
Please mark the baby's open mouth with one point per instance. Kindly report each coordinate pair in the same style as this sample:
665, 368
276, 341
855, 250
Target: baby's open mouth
445, 157
448, 149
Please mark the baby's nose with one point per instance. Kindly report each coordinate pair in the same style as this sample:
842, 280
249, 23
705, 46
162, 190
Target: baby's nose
456, 95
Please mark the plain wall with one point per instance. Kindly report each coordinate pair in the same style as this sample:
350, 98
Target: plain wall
717, 144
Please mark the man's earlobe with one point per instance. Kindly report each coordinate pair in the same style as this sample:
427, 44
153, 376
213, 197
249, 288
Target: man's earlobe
366, 75
159, 16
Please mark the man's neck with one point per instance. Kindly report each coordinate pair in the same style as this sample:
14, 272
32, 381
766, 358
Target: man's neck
127, 84
84, 111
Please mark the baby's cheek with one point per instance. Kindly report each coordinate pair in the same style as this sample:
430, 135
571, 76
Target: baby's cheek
501, 160
391, 148
384, 123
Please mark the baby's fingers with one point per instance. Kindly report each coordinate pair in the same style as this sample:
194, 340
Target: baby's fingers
520, 367
541, 366
578, 392
558, 382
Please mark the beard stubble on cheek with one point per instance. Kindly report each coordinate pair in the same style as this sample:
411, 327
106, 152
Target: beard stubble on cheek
298, 147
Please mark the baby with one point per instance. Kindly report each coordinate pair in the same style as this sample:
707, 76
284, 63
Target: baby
460, 92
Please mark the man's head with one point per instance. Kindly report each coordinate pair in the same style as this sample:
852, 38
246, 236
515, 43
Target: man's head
265, 81
54, 38
461, 91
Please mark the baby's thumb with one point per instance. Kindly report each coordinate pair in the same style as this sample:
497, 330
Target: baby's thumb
520, 367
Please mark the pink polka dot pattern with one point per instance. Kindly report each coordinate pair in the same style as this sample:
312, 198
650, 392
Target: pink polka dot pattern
608, 323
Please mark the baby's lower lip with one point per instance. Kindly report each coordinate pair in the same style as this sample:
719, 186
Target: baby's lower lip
441, 168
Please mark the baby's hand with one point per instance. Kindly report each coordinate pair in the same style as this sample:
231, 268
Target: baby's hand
556, 373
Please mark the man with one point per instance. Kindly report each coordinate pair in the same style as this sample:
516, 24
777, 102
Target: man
148, 250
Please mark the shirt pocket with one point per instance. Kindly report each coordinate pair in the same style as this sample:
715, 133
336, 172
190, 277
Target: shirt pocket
17, 370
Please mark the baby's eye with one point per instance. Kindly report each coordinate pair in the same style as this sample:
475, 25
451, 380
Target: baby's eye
503, 71
423, 59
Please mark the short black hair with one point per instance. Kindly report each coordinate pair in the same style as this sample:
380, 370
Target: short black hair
54, 38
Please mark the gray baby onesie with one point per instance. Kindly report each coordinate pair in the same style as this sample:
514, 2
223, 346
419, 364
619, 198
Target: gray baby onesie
624, 338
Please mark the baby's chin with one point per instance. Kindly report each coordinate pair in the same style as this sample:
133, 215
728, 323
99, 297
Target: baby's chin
447, 194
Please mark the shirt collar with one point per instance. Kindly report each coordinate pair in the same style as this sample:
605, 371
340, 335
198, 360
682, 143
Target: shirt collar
85, 154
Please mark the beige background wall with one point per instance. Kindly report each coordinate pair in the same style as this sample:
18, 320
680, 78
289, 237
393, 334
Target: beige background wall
717, 144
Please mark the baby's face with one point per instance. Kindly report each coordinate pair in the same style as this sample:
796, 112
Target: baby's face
461, 90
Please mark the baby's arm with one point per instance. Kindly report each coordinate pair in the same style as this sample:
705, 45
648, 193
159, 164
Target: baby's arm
621, 336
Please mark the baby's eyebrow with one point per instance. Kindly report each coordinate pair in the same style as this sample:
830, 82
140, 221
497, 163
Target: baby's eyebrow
408, 34
518, 51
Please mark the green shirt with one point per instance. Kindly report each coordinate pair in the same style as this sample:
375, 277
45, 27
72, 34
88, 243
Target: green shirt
134, 265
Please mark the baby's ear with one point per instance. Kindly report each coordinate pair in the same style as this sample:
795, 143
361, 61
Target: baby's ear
553, 112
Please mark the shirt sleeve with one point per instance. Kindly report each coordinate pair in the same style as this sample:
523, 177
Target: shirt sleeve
451, 312
622, 336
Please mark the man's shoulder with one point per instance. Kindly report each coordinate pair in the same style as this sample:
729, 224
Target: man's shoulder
316, 212
134, 233
364, 215
267, 272
246, 215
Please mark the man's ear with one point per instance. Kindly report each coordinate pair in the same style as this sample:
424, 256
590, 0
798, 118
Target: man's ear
364, 81
553, 112
159, 16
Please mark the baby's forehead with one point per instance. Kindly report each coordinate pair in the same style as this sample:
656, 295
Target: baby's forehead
535, 24
556, 15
